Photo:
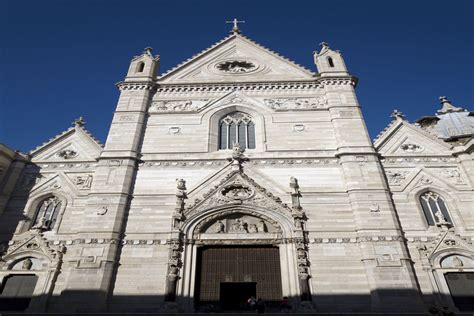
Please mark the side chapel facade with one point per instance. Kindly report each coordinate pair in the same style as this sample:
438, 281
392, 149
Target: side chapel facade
239, 169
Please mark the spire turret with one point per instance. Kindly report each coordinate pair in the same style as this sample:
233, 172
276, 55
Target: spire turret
144, 66
329, 62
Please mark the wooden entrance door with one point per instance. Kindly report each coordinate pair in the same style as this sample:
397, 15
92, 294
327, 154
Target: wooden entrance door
17, 291
246, 270
461, 286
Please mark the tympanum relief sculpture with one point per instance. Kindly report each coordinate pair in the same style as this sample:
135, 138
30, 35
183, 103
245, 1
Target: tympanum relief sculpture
238, 223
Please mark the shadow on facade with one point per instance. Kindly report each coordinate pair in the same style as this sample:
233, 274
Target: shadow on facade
383, 302
14, 212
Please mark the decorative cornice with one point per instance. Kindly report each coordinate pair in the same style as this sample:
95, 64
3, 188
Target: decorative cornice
241, 86
131, 85
254, 161
62, 165
420, 160
319, 240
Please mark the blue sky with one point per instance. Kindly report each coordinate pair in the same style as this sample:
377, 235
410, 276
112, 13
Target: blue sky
61, 59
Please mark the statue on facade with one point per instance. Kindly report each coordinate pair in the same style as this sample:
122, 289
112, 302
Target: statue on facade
27, 264
262, 227
220, 227
252, 228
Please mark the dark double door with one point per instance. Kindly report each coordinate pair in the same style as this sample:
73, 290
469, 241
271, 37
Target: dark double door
227, 276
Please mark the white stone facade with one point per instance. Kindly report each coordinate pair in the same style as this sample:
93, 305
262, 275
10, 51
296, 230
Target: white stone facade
345, 213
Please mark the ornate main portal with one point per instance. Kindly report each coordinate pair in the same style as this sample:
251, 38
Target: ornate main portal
227, 276
235, 241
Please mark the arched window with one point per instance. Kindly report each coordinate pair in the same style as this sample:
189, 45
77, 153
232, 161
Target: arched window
47, 213
140, 66
330, 62
236, 127
435, 209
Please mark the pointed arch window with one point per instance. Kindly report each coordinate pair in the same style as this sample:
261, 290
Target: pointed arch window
236, 127
47, 213
434, 208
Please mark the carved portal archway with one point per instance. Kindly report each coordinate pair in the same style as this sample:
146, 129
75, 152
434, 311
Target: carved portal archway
237, 211
245, 226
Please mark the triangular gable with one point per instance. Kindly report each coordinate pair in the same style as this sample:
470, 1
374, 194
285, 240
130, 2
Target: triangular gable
236, 188
30, 244
73, 145
447, 241
256, 63
401, 138
427, 178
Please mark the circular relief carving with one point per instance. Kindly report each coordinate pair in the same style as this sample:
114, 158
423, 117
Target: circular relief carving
236, 66
237, 192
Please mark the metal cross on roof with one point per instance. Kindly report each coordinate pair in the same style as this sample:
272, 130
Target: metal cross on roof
235, 28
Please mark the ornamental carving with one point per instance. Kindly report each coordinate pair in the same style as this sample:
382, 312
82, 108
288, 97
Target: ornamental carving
452, 174
238, 221
236, 67
411, 148
424, 180
237, 192
396, 177
67, 153
239, 189
82, 182
177, 106
287, 104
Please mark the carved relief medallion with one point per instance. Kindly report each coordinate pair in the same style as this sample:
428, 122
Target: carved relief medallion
237, 192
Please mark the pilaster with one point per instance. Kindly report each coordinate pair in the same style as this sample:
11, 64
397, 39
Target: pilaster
387, 263
106, 212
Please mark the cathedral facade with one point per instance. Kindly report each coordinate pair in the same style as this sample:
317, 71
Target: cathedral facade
239, 173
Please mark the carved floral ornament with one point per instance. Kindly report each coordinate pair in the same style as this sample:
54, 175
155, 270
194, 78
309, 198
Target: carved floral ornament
236, 66
411, 148
67, 153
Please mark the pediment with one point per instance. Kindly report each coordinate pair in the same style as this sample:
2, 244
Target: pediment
236, 59
37, 183
73, 145
408, 140
440, 177
32, 244
237, 189
448, 240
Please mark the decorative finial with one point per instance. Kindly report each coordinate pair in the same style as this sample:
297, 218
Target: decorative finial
237, 157
398, 115
448, 106
324, 44
148, 51
79, 122
235, 28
